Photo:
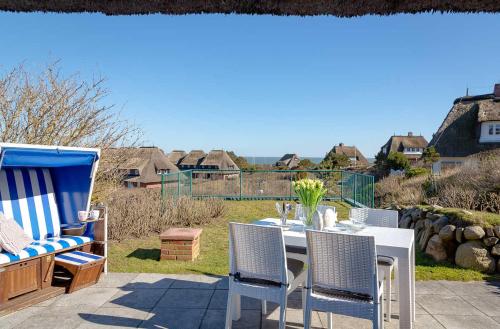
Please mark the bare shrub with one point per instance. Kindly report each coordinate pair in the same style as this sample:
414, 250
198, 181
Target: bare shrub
474, 185
140, 213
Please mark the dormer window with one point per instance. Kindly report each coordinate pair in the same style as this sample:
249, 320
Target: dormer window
490, 132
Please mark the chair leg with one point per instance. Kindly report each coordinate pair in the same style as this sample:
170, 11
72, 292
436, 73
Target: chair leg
283, 311
307, 315
304, 301
381, 313
229, 310
388, 291
396, 281
329, 319
264, 307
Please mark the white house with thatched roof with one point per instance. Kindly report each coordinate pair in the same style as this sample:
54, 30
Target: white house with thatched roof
353, 153
289, 160
472, 126
410, 145
176, 156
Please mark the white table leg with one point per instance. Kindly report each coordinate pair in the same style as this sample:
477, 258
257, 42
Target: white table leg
405, 292
236, 307
412, 272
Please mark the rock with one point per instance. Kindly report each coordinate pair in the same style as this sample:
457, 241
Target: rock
428, 223
412, 226
416, 214
498, 266
491, 241
459, 234
447, 233
424, 238
489, 232
496, 229
405, 222
436, 248
432, 216
474, 232
419, 225
440, 223
474, 255
495, 251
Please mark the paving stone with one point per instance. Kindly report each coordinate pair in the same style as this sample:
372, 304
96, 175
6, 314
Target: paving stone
457, 321
223, 283
114, 280
423, 321
144, 299
347, 322
12, 320
175, 318
431, 287
470, 288
185, 298
294, 319
448, 305
62, 317
219, 301
395, 308
489, 305
496, 318
115, 317
193, 281
150, 281
216, 319
88, 296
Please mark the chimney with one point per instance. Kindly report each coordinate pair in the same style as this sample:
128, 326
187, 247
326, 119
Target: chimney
341, 144
496, 90
410, 134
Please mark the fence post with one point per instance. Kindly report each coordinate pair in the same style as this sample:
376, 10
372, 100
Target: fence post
241, 183
163, 186
373, 191
191, 183
290, 193
178, 184
355, 181
341, 185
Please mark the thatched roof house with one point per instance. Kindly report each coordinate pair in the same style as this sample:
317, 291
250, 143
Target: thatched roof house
290, 160
471, 126
357, 158
143, 165
218, 159
291, 7
192, 160
410, 145
176, 156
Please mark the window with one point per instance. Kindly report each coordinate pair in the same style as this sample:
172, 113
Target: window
490, 132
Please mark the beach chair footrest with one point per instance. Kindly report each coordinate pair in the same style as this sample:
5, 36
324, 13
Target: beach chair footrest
85, 268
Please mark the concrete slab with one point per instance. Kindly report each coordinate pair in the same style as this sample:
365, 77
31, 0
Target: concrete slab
447, 305
142, 299
115, 317
150, 281
174, 318
216, 319
427, 322
185, 298
294, 319
194, 281
89, 296
432, 287
115, 280
488, 304
470, 288
456, 321
219, 302
14, 319
60, 317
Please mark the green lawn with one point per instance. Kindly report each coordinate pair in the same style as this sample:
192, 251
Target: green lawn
141, 255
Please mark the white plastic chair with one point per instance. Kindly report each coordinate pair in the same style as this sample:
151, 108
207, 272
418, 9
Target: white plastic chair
342, 277
386, 264
259, 268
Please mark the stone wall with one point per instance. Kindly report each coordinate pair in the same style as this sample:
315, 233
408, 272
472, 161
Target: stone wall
442, 238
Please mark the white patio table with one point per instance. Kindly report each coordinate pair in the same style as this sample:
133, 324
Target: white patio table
389, 242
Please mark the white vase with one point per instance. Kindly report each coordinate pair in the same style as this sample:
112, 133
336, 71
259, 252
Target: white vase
318, 220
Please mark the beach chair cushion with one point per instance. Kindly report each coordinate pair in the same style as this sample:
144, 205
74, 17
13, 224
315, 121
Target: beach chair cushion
41, 247
77, 258
27, 195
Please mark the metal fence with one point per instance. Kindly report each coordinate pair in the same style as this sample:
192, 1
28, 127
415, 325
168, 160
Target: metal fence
356, 189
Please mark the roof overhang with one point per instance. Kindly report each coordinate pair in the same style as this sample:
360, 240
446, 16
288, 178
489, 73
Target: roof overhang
339, 8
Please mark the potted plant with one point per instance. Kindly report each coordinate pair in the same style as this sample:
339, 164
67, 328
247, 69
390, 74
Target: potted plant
310, 193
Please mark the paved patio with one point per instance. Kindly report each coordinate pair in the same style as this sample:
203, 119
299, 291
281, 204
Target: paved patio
129, 300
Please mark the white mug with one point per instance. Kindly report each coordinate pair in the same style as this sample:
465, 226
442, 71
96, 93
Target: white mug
83, 215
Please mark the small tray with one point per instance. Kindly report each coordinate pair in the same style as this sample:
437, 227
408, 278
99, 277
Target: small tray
73, 229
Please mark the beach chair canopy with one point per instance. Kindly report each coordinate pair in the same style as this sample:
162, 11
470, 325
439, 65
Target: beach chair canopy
44, 187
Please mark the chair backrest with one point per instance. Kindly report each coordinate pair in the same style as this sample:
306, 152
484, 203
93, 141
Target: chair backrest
375, 217
342, 262
27, 195
257, 252
322, 208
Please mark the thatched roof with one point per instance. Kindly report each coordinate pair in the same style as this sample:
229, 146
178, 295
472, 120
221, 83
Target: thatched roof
290, 160
148, 161
176, 156
194, 158
398, 143
218, 159
458, 135
351, 152
339, 8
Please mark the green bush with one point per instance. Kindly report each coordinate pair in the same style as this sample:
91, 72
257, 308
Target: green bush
397, 161
417, 171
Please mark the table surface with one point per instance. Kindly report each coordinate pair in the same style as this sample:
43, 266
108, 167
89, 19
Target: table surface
384, 236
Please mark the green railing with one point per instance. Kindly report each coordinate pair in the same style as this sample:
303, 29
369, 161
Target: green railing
356, 189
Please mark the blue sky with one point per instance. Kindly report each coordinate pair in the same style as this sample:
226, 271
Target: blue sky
263, 85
